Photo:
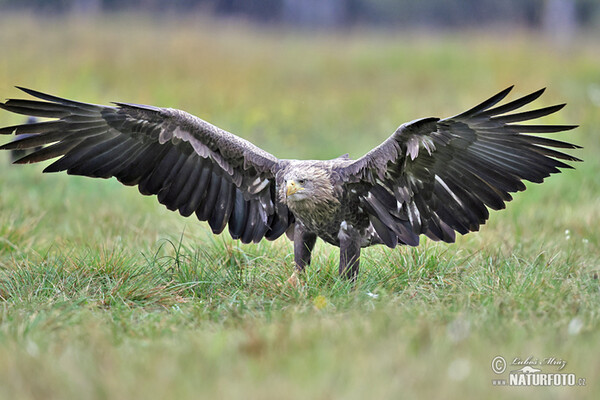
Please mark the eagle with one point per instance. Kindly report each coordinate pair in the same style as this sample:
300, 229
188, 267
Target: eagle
431, 177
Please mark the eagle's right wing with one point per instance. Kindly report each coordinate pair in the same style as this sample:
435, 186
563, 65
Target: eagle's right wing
437, 176
192, 166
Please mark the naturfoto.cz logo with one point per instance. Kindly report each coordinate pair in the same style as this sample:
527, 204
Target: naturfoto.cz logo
528, 372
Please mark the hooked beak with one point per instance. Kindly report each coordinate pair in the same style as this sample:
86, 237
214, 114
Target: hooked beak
292, 187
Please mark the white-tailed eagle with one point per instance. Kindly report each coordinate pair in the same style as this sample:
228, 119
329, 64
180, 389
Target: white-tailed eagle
431, 177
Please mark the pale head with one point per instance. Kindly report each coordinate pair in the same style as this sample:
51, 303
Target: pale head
307, 182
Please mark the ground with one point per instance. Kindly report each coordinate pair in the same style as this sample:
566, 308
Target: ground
105, 294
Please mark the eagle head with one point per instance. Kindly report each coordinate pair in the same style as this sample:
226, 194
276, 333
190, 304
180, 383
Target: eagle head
308, 183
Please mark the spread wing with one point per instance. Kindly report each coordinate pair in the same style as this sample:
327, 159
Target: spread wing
439, 176
192, 166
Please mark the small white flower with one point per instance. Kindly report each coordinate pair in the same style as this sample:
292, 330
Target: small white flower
372, 295
585, 241
575, 326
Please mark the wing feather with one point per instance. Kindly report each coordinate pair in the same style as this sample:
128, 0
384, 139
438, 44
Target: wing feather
222, 208
205, 209
250, 223
141, 166
512, 105
186, 182
196, 197
179, 176
238, 216
112, 162
48, 152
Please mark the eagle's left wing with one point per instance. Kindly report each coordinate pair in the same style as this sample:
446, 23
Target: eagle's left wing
437, 176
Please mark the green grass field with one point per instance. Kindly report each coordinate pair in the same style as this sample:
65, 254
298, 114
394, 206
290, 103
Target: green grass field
104, 294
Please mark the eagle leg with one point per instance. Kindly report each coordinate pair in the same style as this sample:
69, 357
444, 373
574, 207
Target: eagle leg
349, 252
304, 242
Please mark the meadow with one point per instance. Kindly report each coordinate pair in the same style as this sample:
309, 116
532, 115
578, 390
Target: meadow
105, 294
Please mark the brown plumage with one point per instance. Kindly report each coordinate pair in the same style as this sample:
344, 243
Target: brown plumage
432, 176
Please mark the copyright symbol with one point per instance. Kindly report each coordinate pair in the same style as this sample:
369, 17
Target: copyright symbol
498, 364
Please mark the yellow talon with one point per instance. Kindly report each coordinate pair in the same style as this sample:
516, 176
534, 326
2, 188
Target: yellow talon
294, 280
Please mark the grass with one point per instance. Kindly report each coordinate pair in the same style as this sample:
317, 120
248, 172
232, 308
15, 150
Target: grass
105, 294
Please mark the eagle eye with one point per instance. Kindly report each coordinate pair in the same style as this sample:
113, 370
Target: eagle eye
302, 181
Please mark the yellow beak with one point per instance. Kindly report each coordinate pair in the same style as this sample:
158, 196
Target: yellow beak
292, 187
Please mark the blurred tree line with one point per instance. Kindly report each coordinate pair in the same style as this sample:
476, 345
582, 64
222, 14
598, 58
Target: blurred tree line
339, 13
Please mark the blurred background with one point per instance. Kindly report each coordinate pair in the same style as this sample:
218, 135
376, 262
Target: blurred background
564, 15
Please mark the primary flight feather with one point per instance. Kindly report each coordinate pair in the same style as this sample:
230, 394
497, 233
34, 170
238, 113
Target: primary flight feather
432, 176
